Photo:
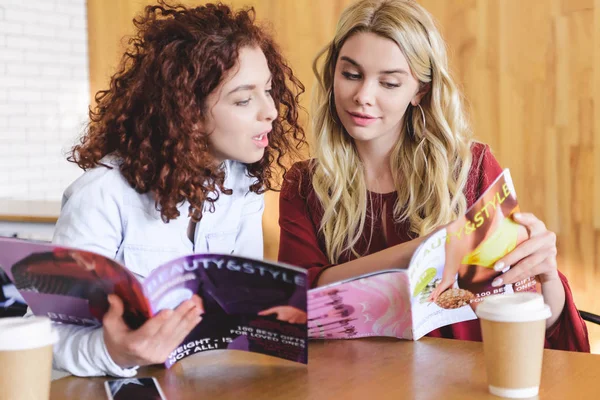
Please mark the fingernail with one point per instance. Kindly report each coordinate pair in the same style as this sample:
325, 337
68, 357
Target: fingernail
497, 282
517, 215
499, 266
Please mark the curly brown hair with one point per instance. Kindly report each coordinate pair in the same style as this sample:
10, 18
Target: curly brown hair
149, 116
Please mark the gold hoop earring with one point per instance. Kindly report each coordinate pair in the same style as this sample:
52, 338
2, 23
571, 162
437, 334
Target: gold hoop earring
422, 115
409, 127
332, 106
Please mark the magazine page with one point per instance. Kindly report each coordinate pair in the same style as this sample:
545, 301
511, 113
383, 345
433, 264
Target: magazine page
425, 273
249, 305
69, 285
452, 271
376, 304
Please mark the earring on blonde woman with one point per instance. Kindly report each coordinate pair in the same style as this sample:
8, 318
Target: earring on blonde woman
422, 115
409, 127
332, 106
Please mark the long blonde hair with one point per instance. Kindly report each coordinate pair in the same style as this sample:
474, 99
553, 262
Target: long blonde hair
430, 163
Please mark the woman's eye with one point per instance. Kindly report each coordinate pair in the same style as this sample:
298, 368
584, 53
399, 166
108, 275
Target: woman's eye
243, 102
351, 76
388, 85
269, 92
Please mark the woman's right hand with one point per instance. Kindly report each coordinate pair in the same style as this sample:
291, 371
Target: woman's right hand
444, 285
155, 339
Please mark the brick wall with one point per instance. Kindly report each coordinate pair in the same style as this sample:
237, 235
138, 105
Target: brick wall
44, 94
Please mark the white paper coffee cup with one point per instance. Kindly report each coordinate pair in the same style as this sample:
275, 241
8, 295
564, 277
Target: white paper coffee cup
26, 357
513, 328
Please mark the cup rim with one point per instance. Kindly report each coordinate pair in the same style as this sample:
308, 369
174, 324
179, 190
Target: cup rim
23, 333
514, 307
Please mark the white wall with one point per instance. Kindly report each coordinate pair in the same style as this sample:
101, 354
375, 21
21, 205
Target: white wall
44, 94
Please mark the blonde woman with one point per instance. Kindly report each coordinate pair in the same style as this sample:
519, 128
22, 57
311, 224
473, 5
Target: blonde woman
395, 160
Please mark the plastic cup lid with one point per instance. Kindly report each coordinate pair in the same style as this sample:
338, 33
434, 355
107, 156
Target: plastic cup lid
514, 307
18, 333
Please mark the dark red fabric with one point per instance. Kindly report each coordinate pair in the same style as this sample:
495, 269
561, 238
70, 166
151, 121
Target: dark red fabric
300, 215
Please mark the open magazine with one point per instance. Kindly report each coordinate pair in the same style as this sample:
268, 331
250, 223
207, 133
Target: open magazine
249, 304
448, 275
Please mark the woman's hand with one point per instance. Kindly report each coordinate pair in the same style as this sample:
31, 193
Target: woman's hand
534, 256
286, 313
444, 285
155, 340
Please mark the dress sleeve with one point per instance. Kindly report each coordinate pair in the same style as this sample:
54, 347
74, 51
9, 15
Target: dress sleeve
299, 244
569, 332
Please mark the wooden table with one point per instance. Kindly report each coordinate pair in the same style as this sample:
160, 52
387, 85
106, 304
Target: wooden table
375, 368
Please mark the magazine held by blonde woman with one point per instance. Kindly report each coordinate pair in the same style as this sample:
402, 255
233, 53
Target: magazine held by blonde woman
448, 275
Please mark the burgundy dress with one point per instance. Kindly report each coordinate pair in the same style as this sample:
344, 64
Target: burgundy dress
300, 214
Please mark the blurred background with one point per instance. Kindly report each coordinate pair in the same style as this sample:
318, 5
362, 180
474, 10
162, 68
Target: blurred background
529, 70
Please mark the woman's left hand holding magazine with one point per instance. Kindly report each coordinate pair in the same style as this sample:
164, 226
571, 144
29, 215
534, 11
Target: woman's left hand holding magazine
155, 339
536, 256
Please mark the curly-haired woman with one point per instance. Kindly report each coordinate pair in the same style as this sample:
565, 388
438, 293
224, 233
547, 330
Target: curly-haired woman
177, 155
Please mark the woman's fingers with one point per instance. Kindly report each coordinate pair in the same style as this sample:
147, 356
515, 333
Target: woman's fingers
185, 314
543, 242
529, 266
533, 225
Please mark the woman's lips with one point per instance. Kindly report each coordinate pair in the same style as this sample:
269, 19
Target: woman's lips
261, 140
362, 119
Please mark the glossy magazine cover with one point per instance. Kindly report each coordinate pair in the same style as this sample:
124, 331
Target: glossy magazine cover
249, 304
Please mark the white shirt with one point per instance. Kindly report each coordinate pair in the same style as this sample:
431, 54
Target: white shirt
102, 213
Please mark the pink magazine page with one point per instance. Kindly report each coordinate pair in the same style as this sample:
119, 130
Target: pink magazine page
372, 305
